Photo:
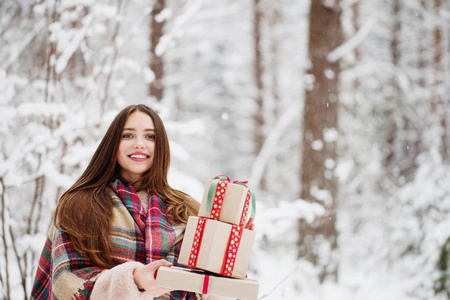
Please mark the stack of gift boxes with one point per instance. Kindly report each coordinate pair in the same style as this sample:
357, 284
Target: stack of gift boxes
216, 241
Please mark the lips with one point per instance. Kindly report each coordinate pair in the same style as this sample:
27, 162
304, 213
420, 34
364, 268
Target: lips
138, 156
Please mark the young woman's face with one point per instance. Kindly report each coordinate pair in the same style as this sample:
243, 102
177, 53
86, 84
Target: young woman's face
137, 146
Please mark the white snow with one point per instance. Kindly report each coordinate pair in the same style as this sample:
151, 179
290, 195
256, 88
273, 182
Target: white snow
393, 207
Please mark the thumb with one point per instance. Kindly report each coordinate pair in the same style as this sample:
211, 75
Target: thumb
160, 263
154, 266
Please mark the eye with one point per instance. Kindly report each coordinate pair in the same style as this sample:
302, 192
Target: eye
150, 136
127, 136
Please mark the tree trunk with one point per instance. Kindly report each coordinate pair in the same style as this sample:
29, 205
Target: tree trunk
5, 279
258, 116
391, 160
275, 18
356, 27
319, 146
156, 61
437, 106
258, 72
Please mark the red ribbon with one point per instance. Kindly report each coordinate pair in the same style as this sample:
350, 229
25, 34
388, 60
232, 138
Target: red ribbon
205, 285
229, 260
245, 210
196, 243
240, 182
219, 195
223, 177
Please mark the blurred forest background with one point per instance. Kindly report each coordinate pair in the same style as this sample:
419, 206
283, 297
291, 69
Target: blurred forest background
337, 112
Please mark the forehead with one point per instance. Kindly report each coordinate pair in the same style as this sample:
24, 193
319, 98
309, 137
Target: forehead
139, 120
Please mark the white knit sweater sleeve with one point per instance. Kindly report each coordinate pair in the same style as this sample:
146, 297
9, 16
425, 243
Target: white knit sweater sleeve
118, 283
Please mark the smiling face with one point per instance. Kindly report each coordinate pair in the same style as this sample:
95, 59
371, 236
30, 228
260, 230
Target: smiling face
137, 146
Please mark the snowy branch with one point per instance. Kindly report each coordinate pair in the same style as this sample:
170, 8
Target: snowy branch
282, 281
271, 142
178, 27
72, 46
354, 41
22, 46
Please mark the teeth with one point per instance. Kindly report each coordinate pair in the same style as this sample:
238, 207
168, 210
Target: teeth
138, 156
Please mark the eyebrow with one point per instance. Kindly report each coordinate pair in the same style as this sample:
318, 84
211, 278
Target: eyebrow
132, 129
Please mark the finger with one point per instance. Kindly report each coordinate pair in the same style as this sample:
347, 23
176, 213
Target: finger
159, 263
250, 224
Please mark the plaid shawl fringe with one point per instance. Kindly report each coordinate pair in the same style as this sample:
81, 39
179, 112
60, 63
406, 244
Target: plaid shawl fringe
136, 234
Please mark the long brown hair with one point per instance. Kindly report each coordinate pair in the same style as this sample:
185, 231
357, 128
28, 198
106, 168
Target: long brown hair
85, 210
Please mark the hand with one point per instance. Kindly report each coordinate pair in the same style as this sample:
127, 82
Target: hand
250, 224
145, 277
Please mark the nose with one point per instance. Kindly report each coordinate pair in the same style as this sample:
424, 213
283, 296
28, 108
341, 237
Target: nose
139, 144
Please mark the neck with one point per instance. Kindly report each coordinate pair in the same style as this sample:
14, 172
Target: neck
138, 186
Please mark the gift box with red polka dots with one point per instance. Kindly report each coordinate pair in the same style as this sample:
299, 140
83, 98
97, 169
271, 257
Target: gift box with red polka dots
226, 202
216, 246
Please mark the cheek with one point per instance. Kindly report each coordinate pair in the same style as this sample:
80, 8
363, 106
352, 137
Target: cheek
152, 150
124, 145
121, 151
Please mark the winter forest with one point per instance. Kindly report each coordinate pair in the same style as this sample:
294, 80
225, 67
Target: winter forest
337, 112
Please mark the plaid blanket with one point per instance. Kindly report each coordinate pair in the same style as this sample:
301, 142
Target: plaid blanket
137, 235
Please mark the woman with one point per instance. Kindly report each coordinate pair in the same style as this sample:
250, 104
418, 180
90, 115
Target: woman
120, 221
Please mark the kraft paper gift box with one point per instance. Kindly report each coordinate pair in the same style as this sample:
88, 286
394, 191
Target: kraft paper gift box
207, 245
180, 279
229, 202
